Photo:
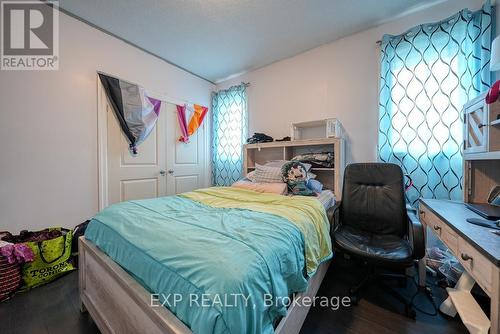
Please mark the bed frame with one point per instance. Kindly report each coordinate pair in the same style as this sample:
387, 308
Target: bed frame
119, 304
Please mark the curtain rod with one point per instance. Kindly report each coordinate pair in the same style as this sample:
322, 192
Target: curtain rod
245, 84
492, 2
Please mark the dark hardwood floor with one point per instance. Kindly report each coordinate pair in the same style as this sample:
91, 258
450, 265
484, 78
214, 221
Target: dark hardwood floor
54, 309
376, 312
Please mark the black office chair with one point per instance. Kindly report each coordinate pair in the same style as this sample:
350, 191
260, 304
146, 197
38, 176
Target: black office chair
372, 224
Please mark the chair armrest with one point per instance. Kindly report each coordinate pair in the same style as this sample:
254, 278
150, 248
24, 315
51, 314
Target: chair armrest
333, 214
416, 236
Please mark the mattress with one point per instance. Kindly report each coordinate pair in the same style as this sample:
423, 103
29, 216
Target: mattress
326, 197
202, 247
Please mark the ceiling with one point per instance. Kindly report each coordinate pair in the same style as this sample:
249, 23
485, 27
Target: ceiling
215, 39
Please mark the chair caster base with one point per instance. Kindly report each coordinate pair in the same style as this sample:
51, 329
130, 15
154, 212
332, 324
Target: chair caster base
410, 312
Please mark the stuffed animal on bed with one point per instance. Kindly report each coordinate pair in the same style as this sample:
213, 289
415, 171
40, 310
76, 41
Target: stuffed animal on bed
294, 175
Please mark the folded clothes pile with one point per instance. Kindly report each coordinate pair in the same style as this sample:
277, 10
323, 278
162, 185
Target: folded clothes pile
324, 159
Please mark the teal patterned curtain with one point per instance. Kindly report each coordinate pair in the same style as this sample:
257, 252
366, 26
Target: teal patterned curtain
229, 112
427, 74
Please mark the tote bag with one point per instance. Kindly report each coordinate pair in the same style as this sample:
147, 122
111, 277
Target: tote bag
52, 259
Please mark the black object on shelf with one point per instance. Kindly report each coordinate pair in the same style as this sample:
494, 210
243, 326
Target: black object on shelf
488, 211
484, 222
259, 138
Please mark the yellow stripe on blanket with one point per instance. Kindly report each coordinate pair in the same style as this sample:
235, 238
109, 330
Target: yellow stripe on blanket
306, 213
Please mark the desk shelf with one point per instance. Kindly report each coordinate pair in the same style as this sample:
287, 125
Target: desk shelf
477, 249
470, 312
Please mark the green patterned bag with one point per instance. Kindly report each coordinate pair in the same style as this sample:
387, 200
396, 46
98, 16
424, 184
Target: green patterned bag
52, 259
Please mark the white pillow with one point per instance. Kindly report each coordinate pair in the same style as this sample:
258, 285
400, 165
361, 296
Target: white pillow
267, 174
275, 163
278, 163
251, 176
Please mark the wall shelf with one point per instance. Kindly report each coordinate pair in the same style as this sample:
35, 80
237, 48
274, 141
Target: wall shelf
482, 156
304, 142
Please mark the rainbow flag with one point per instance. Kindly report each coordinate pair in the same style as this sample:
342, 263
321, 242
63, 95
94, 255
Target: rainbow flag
196, 115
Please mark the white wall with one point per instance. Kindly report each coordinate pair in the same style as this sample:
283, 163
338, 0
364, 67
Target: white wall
339, 80
48, 125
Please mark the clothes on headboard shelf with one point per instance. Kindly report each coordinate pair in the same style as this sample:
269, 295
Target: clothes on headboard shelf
321, 160
259, 138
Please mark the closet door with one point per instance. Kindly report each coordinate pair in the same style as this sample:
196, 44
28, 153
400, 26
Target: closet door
135, 176
185, 161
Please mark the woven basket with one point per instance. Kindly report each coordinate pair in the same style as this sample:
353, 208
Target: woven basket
10, 278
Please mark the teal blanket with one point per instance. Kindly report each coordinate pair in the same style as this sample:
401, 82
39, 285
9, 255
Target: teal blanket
219, 270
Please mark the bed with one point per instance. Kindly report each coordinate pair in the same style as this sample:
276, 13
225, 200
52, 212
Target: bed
216, 242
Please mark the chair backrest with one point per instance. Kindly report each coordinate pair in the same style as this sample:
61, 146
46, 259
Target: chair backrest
373, 198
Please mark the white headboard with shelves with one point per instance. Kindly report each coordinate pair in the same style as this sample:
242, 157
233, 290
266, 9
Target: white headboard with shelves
331, 178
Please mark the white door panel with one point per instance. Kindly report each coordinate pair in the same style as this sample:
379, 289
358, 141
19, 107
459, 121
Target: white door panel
187, 153
185, 161
186, 183
138, 189
148, 153
163, 165
135, 176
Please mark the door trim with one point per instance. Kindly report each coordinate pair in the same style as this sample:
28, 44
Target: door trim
102, 140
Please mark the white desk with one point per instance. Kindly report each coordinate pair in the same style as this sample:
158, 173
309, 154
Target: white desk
478, 250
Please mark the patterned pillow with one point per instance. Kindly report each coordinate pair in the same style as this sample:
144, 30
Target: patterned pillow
250, 176
267, 174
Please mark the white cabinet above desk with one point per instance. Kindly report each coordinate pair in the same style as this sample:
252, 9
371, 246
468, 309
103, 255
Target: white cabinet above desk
481, 129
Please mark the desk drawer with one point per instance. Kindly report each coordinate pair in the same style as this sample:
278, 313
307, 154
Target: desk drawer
445, 233
450, 239
480, 268
431, 220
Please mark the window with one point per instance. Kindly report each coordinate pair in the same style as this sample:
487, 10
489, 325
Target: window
427, 74
229, 134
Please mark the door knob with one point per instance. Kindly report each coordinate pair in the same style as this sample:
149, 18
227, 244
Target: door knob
171, 171
162, 172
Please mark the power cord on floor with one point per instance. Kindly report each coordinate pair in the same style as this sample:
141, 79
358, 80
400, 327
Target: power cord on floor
428, 294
